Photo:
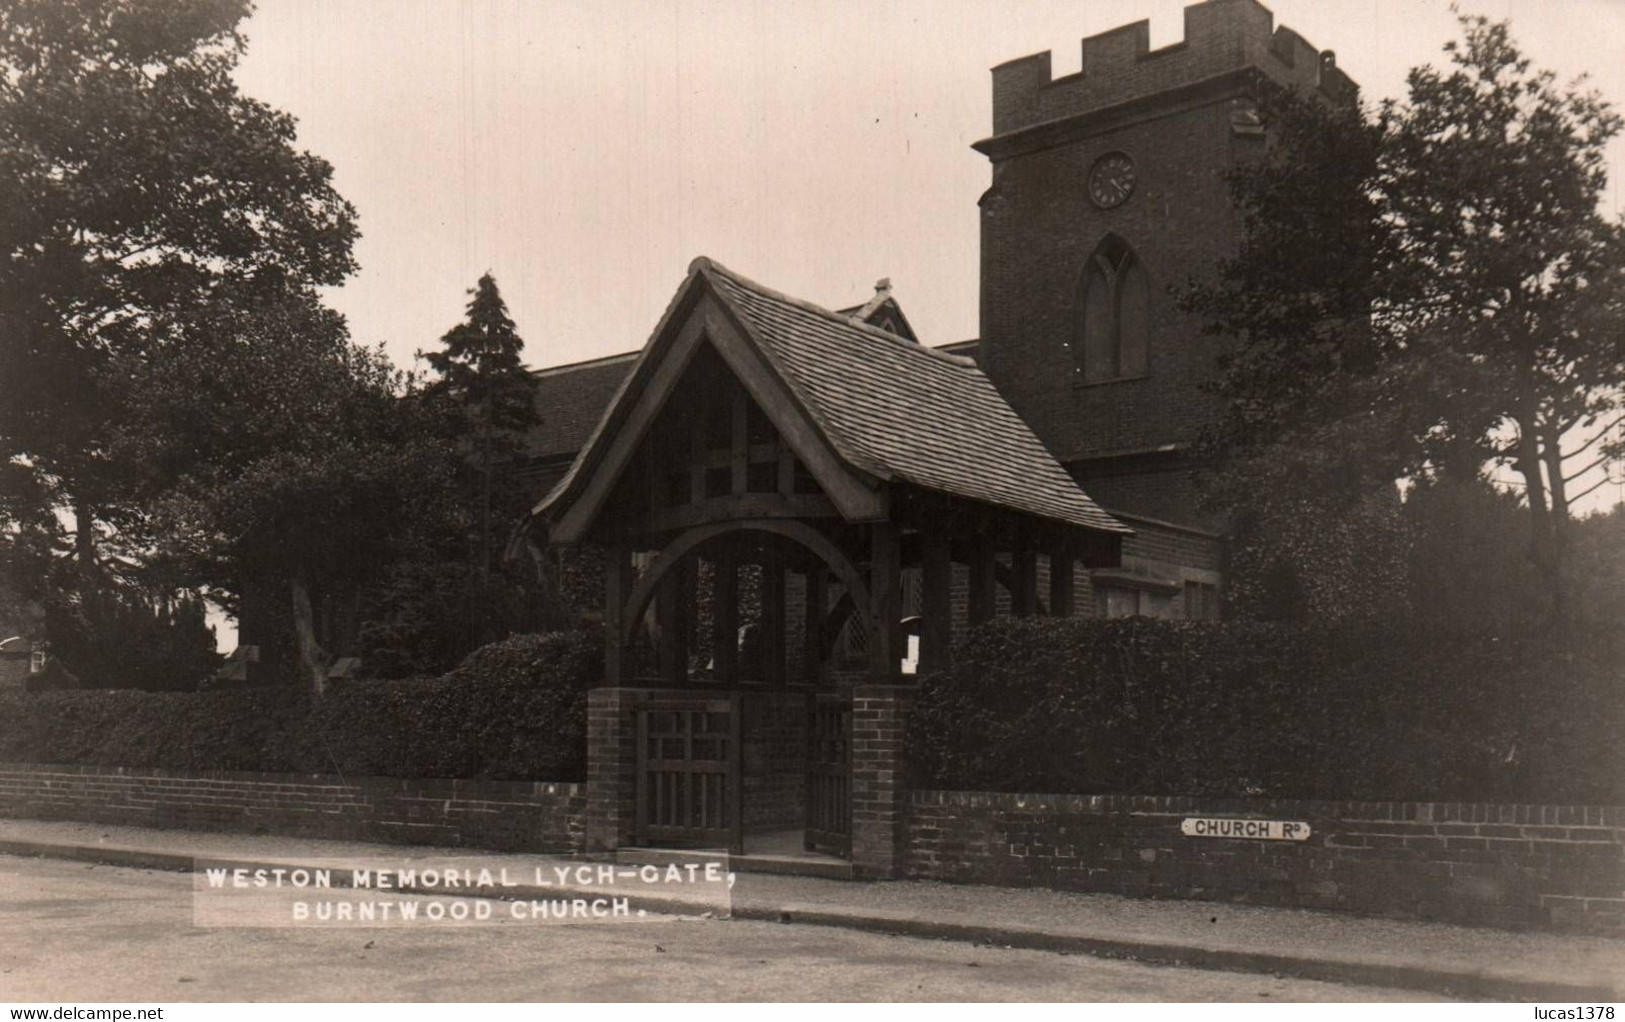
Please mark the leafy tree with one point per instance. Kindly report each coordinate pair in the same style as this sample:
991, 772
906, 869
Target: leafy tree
116, 638
416, 616
1309, 557
140, 186
298, 464
1427, 287
30, 540
1466, 576
1598, 568
1300, 377
1515, 317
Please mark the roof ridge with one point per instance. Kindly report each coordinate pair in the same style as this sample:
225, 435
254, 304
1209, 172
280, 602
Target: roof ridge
810, 404
584, 362
707, 263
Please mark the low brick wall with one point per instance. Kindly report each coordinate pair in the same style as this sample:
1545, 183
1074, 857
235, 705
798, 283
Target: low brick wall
530, 816
1501, 865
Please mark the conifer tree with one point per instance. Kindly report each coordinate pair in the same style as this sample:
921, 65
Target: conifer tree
479, 374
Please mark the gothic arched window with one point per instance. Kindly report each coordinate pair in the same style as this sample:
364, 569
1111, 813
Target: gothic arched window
1114, 320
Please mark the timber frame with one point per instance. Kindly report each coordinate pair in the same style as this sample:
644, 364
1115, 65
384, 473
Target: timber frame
759, 489
712, 457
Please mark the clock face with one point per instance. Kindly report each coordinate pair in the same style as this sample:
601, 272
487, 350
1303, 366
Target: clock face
1111, 180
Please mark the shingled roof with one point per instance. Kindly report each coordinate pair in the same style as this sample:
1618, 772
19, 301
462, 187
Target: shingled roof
891, 408
570, 399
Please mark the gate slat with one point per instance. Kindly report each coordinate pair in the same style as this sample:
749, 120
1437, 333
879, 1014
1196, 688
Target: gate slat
829, 819
685, 800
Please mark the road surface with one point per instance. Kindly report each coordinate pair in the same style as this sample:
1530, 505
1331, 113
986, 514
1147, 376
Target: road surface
71, 932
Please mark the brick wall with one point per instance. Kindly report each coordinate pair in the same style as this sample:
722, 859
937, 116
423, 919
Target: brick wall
1039, 229
879, 779
1501, 865
1173, 112
536, 816
1156, 542
612, 749
1119, 66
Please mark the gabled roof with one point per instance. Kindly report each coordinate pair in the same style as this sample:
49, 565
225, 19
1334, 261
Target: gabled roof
882, 311
890, 408
570, 400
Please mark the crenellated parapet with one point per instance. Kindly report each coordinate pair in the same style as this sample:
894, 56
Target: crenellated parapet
1222, 37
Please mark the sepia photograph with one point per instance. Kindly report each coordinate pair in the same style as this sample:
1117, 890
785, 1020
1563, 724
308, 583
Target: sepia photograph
1109, 502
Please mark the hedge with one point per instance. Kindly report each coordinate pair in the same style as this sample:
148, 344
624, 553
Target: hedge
1141, 706
513, 710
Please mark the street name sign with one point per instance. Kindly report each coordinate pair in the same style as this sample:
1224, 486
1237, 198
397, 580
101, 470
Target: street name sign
1263, 830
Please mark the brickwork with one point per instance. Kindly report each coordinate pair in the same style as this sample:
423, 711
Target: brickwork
537, 816
879, 779
1155, 542
1039, 228
1119, 66
1500, 865
611, 767
1179, 114
1162, 488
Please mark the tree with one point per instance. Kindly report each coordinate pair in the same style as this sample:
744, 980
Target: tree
140, 186
1462, 583
1495, 179
117, 638
1426, 285
296, 463
1325, 559
492, 399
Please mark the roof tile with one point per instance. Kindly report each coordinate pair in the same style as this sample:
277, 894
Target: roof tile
901, 411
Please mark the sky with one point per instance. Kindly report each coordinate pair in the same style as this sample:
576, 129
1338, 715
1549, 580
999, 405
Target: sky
586, 152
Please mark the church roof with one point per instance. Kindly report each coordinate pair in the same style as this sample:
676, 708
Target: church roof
890, 408
570, 399
882, 311
901, 411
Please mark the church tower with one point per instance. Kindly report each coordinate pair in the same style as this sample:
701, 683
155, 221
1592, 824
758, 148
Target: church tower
1108, 188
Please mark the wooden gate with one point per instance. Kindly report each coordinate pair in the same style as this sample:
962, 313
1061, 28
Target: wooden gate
829, 775
689, 789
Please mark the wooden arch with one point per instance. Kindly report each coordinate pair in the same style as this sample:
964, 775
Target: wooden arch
689, 541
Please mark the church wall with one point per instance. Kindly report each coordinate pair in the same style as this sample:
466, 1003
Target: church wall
1039, 229
1486, 864
1118, 66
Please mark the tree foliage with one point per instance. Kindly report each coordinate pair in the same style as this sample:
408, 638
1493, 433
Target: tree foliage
479, 377
297, 461
121, 639
1426, 286
459, 593
172, 376
479, 369
141, 186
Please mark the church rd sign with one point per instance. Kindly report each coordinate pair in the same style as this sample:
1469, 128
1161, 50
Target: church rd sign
1265, 830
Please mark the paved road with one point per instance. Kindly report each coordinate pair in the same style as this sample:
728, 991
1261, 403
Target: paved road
73, 932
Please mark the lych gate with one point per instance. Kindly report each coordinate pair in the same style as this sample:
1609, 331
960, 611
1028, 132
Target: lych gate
774, 489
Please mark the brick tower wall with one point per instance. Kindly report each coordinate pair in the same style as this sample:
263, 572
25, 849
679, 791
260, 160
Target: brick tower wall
1179, 113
